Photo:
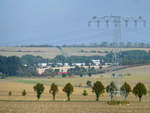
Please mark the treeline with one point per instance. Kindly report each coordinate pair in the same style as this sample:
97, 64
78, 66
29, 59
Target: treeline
98, 88
79, 71
131, 57
31, 60
102, 44
10, 65
14, 66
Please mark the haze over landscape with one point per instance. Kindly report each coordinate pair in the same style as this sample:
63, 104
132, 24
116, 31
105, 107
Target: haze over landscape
74, 56
55, 22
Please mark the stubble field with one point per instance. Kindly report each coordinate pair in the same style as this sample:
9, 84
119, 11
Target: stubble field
79, 104
51, 52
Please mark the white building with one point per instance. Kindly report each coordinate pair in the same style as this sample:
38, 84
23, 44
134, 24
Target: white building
78, 64
43, 65
66, 64
60, 64
96, 62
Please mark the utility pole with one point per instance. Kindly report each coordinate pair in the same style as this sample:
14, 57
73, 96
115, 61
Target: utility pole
116, 23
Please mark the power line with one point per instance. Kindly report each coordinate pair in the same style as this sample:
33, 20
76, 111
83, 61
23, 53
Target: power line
116, 23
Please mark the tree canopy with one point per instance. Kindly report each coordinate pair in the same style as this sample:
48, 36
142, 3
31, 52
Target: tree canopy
111, 89
39, 89
98, 88
53, 90
139, 90
68, 89
125, 89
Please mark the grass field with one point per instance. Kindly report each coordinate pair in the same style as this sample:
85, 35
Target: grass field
51, 52
79, 104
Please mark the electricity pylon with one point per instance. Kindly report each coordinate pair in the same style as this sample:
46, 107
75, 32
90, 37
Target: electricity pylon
117, 22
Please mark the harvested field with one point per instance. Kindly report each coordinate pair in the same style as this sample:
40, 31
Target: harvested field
45, 52
79, 103
72, 107
95, 51
51, 52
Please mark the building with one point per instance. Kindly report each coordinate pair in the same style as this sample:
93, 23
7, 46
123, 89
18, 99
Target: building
42, 65
96, 62
78, 64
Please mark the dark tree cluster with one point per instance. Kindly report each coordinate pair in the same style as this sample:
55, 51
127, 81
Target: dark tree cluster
10, 65
81, 71
13, 66
31, 60
130, 57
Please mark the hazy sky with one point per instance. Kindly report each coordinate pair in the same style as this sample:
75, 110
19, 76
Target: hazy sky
65, 21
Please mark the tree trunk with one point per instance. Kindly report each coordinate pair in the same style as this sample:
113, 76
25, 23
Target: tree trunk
125, 98
97, 98
111, 97
68, 98
53, 97
140, 99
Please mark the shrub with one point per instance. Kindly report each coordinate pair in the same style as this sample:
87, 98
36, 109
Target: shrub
64, 75
81, 75
84, 93
24, 93
80, 85
89, 74
89, 83
10, 93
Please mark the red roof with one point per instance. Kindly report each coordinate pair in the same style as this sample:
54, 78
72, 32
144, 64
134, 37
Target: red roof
60, 73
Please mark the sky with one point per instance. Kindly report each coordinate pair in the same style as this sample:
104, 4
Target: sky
58, 22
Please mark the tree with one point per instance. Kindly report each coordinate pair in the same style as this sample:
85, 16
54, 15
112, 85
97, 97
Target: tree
24, 92
2, 76
64, 75
84, 93
31, 60
53, 90
81, 75
139, 90
89, 74
49, 72
98, 88
39, 89
104, 44
111, 89
10, 93
125, 89
68, 89
10, 65
89, 83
